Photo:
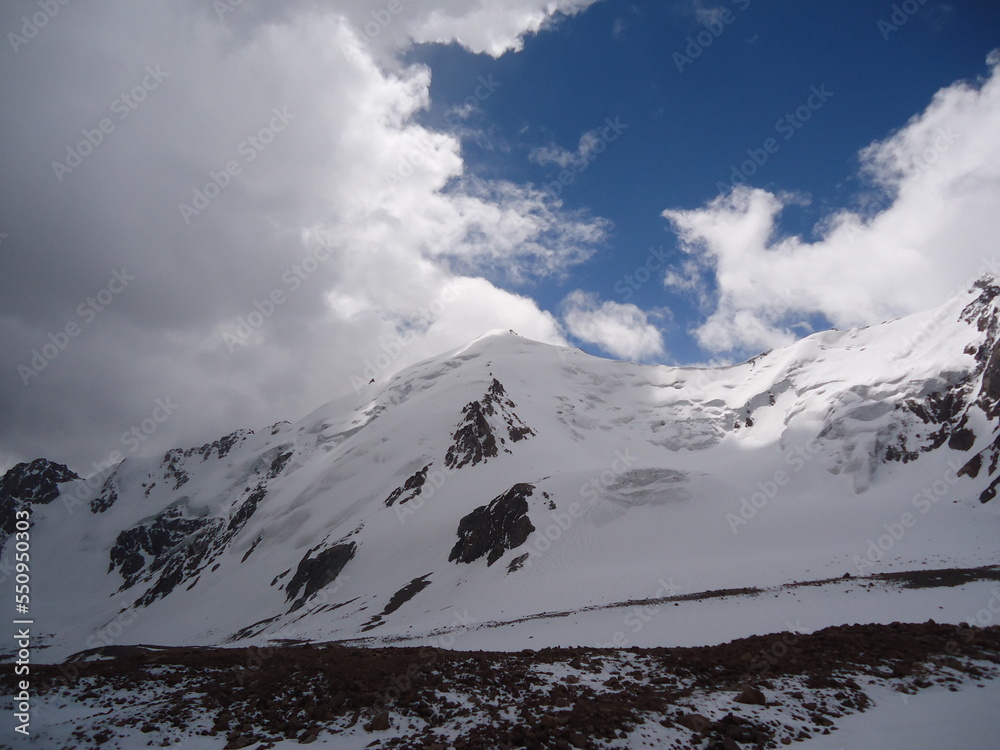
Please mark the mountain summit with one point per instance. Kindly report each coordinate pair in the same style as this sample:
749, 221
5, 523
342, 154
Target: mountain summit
512, 487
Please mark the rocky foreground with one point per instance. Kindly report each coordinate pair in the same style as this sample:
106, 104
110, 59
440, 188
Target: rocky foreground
759, 692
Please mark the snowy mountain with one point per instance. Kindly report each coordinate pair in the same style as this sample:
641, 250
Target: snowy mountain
512, 490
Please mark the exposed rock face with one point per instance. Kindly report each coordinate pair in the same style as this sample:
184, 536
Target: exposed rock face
516, 429
990, 492
990, 392
176, 545
27, 484
314, 573
278, 465
406, 593
982, 312
941, 416
475, 440
174, 459
36, 483
107, 497
946, 411
183, 563
517, 563
247, 509
220, 447
492, 529
148, 545
172, 468
397, 600
412, 487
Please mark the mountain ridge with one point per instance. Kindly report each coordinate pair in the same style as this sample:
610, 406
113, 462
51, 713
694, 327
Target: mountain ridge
508, 478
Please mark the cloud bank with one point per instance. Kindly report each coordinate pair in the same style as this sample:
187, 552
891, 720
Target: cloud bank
926, 231
621, 329
257, 174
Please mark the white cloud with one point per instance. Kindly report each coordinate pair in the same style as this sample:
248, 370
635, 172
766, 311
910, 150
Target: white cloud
561, 157
933, 229
407, 235
711, 16
620, 329
489, 26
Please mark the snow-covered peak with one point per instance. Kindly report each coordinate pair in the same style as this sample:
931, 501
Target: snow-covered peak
510, 478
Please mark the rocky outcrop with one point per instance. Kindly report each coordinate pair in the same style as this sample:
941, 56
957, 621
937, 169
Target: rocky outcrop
941, 416
107, 497
27, 484
184, 563
174, 460
492, 529
411, 488
315, 573
146, 547
247, 508
36, 483
278, 464
982, 312
475, 440
176, 545
565, 697
397, 600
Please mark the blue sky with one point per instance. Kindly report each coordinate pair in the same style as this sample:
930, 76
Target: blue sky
693, 111
247, 209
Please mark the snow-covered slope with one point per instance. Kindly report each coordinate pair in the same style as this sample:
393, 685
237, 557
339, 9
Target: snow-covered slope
512, 489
